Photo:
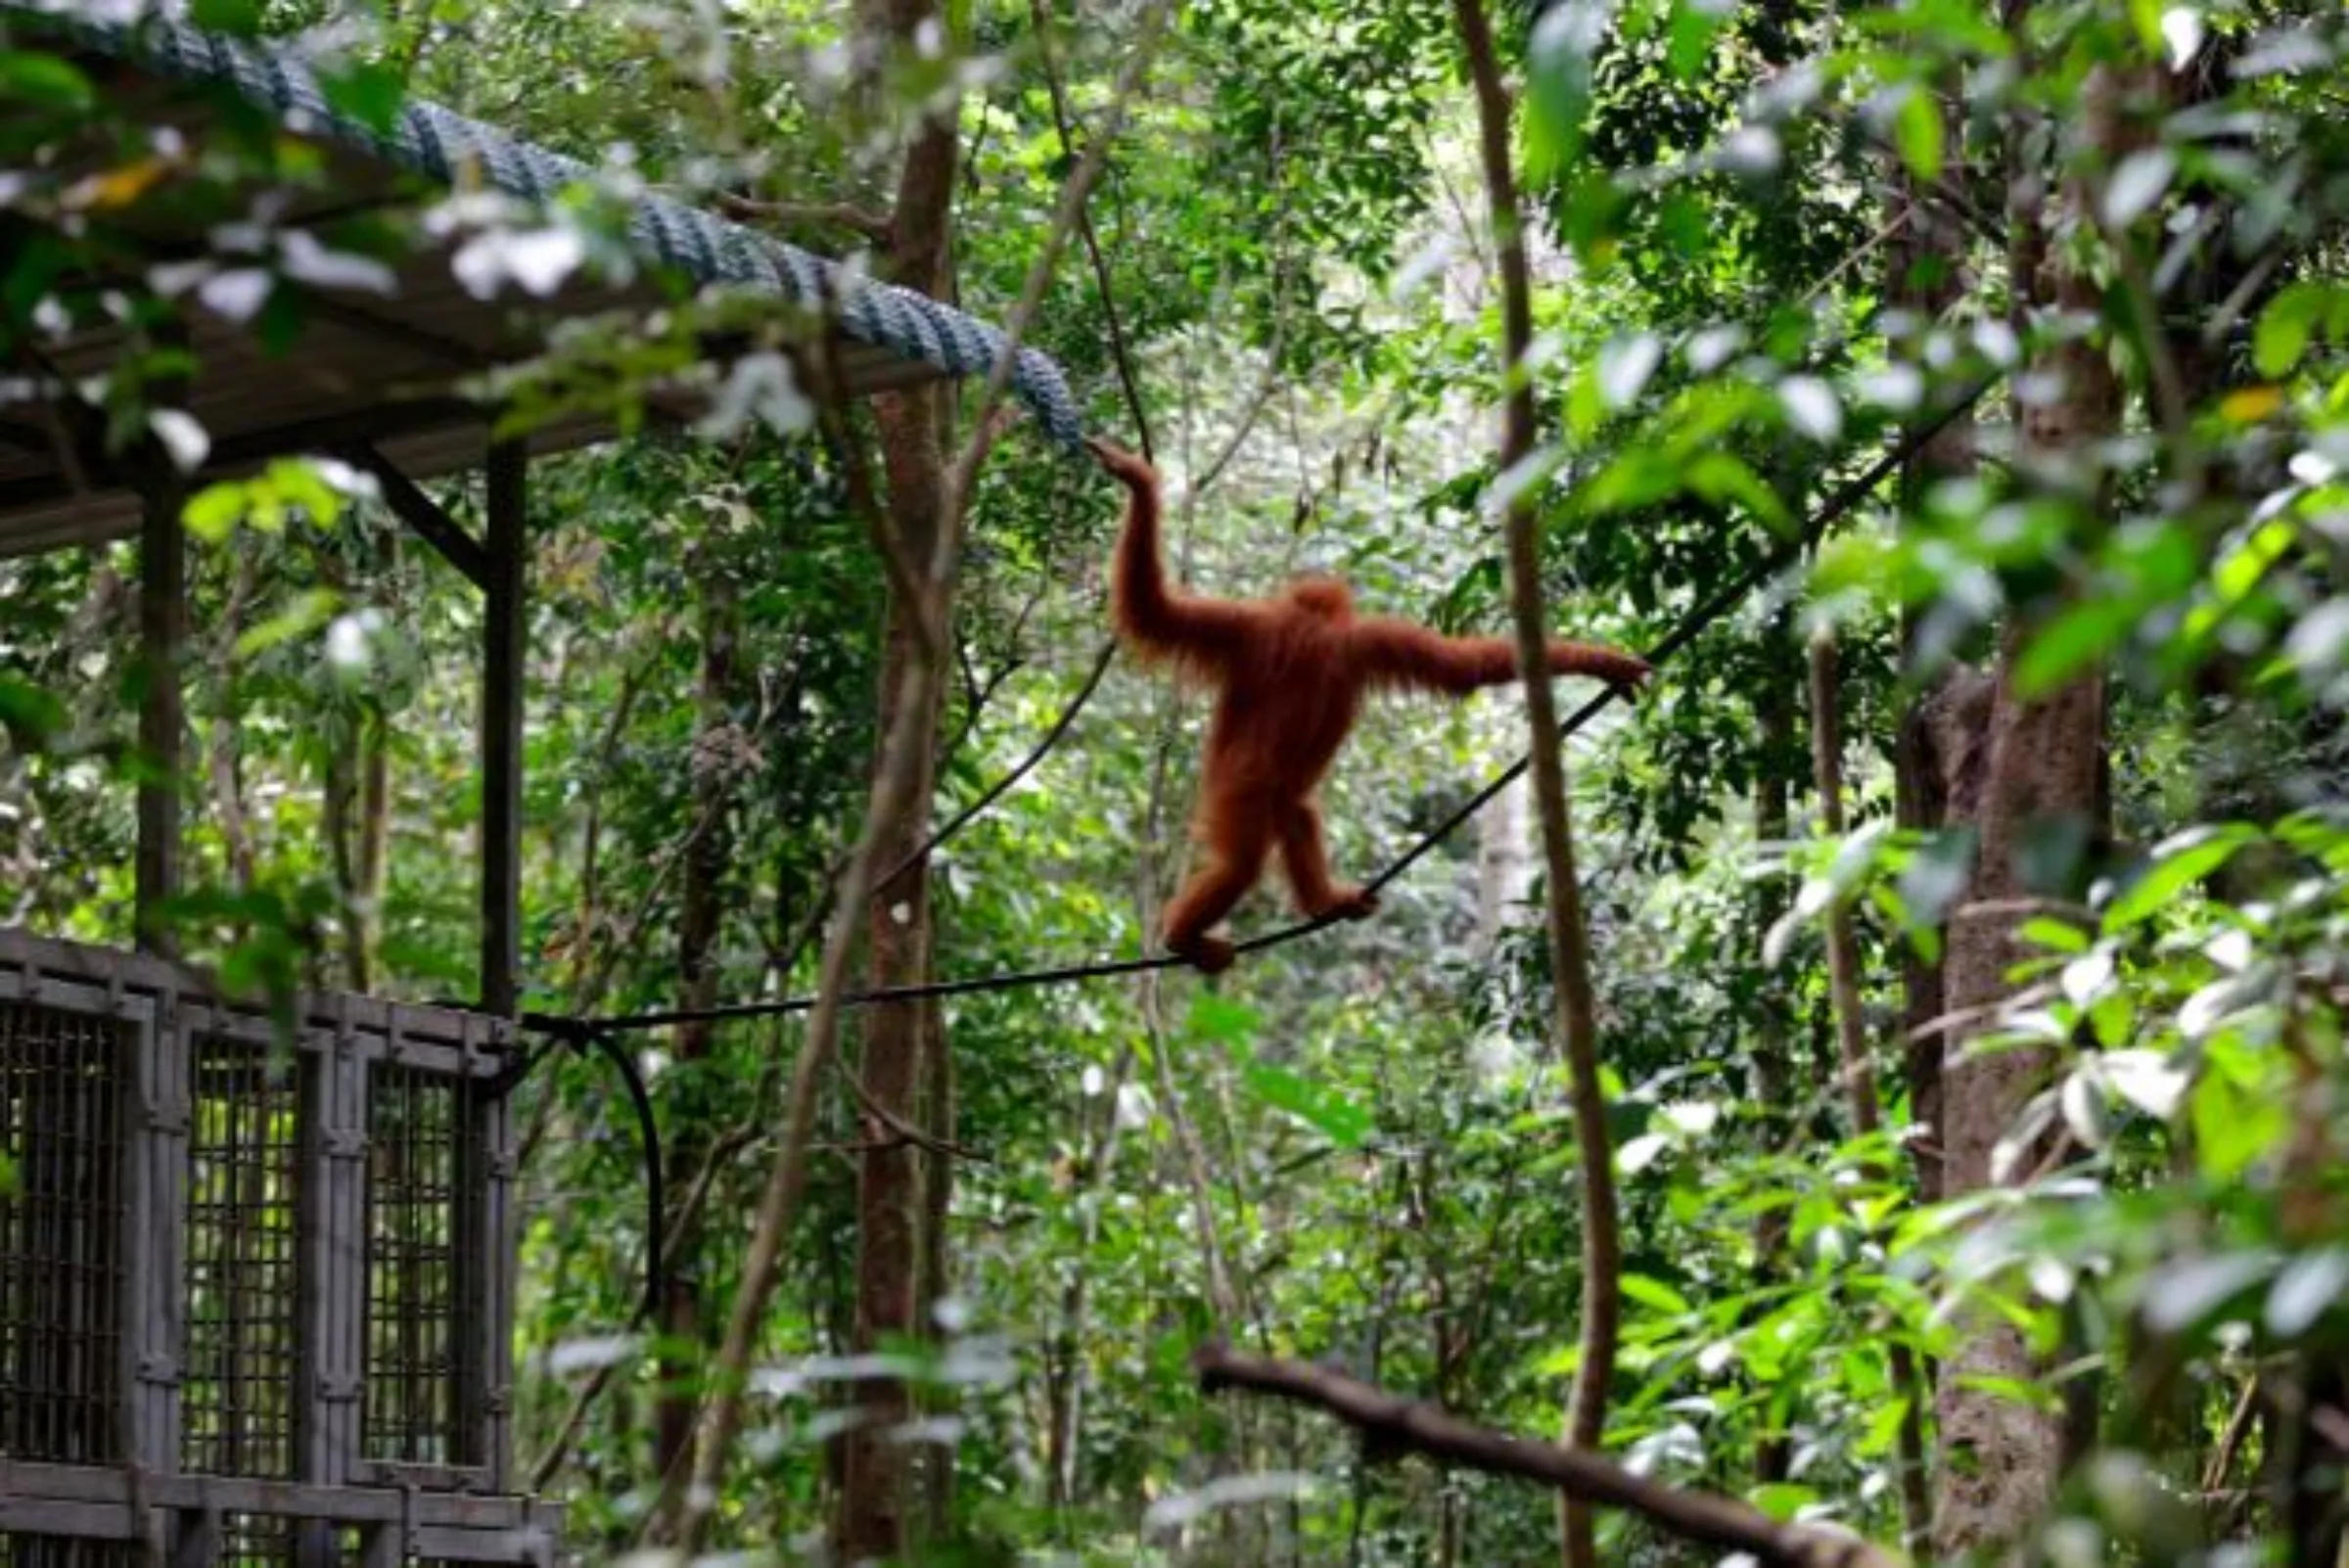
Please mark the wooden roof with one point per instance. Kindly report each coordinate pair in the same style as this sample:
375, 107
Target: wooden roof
383, 368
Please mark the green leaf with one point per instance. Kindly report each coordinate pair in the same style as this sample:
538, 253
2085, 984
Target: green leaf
298, 484
1219, 1018
1782, 1499
2234, 1129
305, 615
1883, 1428
1917, 129
368, 94
1325, 1110
2057, 936
214, 512
2181, 863
2078, 637
44, 81
1557, 90
1722, 477
241, 17
1655, 1293
29, 715
2287, 325
1692, 29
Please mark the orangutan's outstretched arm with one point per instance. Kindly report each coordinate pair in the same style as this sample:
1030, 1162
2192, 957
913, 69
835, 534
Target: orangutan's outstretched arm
1158, 620
1400, 656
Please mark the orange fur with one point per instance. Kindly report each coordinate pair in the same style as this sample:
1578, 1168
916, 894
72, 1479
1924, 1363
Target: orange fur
1289, 674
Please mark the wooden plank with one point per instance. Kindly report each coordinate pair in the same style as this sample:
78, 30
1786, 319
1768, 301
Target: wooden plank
438, 1544
155, 1228
99, 1488
433, 1037
76, 1521
241, 453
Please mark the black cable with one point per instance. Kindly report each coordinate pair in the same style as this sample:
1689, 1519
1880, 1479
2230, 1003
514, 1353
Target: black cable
579, 1034
1690, 626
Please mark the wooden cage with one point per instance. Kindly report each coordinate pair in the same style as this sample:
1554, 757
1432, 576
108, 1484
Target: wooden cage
257, 1274
257, 1280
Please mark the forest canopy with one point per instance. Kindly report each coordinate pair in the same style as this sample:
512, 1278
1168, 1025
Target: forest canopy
1868, 1096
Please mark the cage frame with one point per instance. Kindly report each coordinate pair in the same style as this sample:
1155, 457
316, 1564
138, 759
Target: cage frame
165, 1013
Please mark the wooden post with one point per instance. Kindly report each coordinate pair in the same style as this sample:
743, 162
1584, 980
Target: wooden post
502, 618
163, 631
485, 1233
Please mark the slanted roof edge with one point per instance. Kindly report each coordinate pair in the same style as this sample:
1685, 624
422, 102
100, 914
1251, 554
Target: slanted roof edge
433, 142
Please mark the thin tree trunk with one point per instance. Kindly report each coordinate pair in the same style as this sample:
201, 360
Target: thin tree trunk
375, 845
227, 760
1569, 934
1925, 264
1774, 1068
703, 901
2001, 1456
937, 1282
1504, 869
876, 1499
1860, 1076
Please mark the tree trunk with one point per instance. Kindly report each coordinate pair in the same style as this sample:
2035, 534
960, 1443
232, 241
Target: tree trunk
937, 1281
876, 1496
2000, 1456
1858, 1071
1504, 865
1925, 264
702, 904
1569, 931
1773, 1074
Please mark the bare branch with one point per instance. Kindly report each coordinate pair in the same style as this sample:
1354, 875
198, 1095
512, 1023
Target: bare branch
1392, 1423
872, 225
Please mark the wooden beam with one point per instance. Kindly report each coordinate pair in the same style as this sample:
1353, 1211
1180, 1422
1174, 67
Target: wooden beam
503, 609
423, 515
162, 721
485, 1240
249, 450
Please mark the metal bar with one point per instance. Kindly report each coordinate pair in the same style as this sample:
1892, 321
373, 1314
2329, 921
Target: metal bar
502, 613
423, 515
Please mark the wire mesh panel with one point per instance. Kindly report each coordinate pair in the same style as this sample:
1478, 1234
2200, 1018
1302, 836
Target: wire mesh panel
61, 1132
63, 1552
255, 1541
243, 1169
415, 1303
252, 1279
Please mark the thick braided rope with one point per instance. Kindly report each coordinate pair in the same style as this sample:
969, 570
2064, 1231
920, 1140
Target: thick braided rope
436, 143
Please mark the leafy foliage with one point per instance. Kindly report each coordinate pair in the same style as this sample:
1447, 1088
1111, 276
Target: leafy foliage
1352, 1148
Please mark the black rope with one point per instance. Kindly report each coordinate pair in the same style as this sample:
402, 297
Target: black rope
579, 1034
1691, 625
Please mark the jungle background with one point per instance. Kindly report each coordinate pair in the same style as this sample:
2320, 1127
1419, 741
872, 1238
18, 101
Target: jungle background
1961, 914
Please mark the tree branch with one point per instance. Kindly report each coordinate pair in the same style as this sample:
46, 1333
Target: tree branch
872, 225
1391, 1423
